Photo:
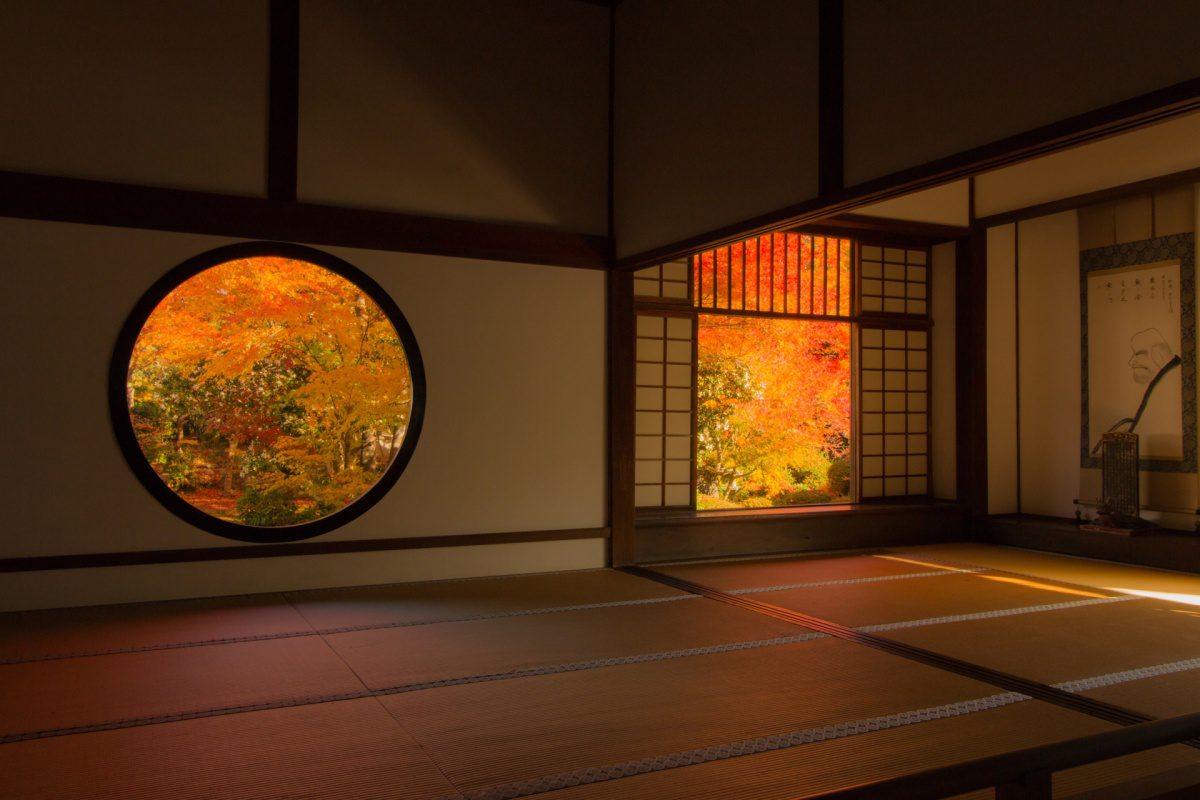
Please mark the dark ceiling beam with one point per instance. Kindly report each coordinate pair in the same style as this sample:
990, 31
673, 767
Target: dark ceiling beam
45, 197
831, 97
283, 104
930, 232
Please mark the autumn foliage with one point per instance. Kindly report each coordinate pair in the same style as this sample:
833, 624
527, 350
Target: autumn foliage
269, 391
772, 411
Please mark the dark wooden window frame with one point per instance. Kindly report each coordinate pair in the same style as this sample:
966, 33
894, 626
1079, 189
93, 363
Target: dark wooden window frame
856, 318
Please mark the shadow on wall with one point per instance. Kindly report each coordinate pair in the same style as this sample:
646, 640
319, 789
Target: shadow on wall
458, 109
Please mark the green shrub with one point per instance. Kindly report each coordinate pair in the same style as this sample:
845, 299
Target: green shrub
176, 468
839, 476
757, 502
801, 497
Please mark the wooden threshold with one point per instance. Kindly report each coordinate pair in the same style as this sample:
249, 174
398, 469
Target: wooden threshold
719, 534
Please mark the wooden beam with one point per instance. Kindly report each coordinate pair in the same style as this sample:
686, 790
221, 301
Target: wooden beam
621, 416
283, 107
143, 557
971, 372
90, 202
831, 99
1157, 106
927, 232
683, 536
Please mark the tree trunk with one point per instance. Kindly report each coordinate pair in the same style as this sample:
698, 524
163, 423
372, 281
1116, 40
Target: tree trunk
392, 443
231, 466
364, 447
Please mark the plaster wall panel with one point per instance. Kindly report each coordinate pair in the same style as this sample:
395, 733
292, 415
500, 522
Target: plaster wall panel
165, 94
490, 111
1144, 153
716, 115
1049, 363
929, 79
514, 425
948, 204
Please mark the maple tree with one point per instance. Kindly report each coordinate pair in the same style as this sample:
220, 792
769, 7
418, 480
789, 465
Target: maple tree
271, 381
772, 411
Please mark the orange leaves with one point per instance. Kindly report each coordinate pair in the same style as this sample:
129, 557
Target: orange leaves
285, 372
773, 406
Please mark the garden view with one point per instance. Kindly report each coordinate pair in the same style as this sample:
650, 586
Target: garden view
772, 412
269, 391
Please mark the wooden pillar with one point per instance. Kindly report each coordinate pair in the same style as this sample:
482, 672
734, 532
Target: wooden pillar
971, 370
621, 360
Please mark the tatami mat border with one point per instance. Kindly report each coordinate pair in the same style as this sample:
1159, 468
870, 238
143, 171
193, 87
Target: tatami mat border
1128, 676
525, 612
546, 669
915, 623
549, 669
845, 581
1086, 705
600, 663
1003, 612
744, 747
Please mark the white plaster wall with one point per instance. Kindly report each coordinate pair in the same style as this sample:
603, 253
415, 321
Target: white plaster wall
1049, 341
948, 204
1144, 153
514, 435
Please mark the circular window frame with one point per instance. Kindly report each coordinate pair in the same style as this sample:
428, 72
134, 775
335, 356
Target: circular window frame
123, 423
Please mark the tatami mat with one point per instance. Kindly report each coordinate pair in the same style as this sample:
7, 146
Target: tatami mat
599, 668
413, 603
390, 657
823, 766
488, 733
923, 598
1128, 768
38, 634
350, 750
1068, 643
1161, 696
767, 572
49, 695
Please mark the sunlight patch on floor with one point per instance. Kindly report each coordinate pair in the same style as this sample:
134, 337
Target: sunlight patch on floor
1174, 597
1039, 585
928, 564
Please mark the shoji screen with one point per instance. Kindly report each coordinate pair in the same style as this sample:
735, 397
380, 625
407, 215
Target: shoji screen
664, 407
893, 358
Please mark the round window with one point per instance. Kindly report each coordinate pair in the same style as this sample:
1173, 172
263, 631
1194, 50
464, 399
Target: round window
267, 392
